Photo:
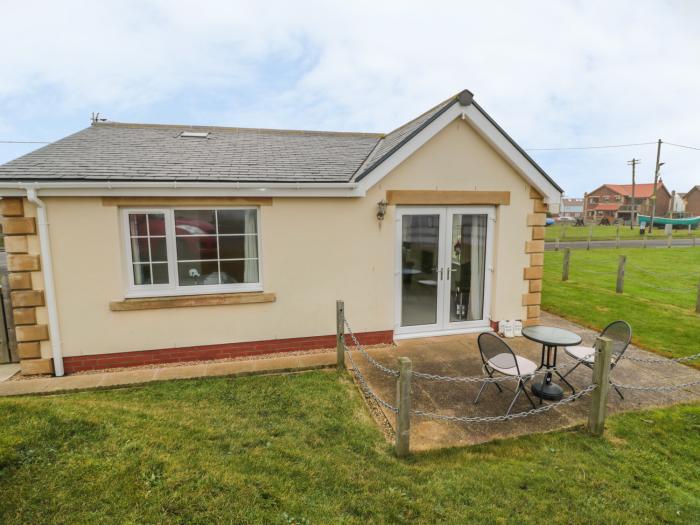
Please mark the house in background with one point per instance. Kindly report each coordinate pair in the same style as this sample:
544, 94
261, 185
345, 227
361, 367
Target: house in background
692, 202
131, 244
677, 206
571, 207
614, 201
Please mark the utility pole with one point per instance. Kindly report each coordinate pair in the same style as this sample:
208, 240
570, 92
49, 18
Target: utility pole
633, 163
656, 182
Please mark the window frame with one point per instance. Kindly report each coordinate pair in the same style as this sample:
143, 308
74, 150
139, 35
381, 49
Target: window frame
173, 288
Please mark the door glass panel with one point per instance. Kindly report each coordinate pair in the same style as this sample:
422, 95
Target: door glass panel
419, 261
467, 267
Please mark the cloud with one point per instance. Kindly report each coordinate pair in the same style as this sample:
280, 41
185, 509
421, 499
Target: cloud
553, 74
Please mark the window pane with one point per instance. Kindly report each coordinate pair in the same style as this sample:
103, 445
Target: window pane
194, 222
159, 251
239, 271
238, 246
139, 250
142, 274
198, 273
193, 248
237, 221
160, 273
156, 224
137, 224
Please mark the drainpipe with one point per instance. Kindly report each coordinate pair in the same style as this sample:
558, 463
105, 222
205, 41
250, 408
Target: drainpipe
49, 289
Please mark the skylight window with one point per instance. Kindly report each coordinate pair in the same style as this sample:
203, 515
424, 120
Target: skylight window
194, 134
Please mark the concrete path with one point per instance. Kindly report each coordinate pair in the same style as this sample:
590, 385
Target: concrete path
8, 370
632, 243
459, 356
278, 364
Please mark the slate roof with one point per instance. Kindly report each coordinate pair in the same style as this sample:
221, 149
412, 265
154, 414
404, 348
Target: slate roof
117, 151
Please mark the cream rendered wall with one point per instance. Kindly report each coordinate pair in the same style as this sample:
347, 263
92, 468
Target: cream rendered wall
314, 251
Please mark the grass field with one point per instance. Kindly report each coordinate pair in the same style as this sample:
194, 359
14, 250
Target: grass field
659, 300
568, 232
286, 449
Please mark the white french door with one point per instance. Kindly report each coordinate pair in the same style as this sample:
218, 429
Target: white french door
443, 269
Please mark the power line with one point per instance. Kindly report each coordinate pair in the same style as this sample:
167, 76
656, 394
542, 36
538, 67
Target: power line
23, 142
681, 146
595, 147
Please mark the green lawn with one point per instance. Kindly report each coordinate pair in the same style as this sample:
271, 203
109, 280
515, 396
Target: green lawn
659, 300
283, 449
568, 232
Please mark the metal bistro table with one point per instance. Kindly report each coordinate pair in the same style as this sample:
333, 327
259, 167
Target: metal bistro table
550, 338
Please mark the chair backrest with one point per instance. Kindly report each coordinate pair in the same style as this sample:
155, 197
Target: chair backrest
493, 348
620, 332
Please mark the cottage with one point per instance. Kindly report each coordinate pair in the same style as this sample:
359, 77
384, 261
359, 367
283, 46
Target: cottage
137, 243
615, 201
692, 202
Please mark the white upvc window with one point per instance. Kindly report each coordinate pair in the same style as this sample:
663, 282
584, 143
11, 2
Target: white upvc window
186, 251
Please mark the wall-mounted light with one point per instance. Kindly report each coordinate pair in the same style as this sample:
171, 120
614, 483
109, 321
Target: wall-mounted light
381, 209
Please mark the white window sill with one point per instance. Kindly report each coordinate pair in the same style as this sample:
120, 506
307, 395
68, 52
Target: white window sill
191, 291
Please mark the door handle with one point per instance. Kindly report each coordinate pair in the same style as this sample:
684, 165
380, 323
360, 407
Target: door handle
441, 274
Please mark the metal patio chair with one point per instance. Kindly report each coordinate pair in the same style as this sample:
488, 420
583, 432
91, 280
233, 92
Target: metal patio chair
620, 332
497, 356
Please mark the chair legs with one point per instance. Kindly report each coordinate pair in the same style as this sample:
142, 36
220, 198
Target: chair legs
483, 385
619, 393
520, 388
591, 367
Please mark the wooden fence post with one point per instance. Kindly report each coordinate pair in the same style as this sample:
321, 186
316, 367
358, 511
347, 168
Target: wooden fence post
590, 234
697, 304
644, 239
403, 403
565, 267
620, 285
563, 231
669, 240
693, 241
601, 378
556, 244
340, 333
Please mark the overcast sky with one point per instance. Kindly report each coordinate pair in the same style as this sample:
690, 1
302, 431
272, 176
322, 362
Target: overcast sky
553, 74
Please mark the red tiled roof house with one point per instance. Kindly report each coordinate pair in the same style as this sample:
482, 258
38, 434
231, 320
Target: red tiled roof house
614, 201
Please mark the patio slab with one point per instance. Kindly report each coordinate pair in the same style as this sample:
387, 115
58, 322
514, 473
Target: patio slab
459, 356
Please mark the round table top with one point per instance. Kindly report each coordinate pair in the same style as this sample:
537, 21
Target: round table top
550, 335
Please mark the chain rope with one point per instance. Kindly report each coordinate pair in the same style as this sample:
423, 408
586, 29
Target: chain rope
365, 386
668, 388
509, 417
388, 371
660, 360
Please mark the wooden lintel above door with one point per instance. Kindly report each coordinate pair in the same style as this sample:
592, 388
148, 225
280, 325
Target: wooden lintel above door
447, 198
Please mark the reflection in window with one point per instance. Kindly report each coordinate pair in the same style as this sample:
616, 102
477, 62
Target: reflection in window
216, 247
196, 247
148, 248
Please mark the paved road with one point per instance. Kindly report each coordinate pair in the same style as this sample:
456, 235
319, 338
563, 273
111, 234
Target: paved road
630, 243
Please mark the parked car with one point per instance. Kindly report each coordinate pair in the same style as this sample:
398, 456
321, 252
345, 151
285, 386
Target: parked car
569, 220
